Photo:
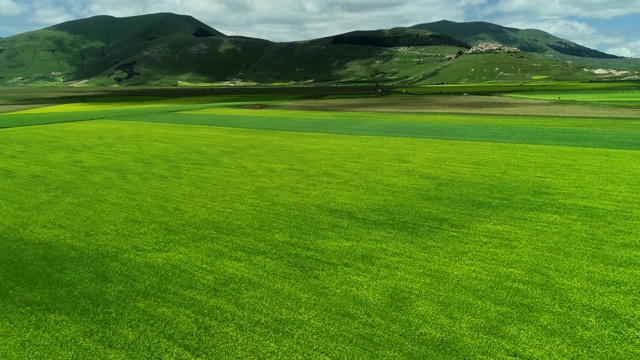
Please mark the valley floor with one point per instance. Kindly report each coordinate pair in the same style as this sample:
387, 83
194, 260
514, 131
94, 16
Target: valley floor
327, 225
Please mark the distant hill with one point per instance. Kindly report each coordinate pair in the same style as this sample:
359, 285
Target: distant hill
397, 38
529, 40
149, 49
137, 28
375, 56
167, 50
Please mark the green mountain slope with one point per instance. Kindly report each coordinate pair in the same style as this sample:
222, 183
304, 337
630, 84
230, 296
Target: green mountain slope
407, 56
167, 50
376, 56
533, 41
150, 49
529, 40
136, 28
396, 38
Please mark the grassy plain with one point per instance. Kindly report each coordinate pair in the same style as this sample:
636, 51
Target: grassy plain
618, 98
533, 87
194, 228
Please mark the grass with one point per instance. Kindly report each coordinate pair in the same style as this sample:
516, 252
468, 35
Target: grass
583, 132
495, 105
522, 87
208, 231
620, 98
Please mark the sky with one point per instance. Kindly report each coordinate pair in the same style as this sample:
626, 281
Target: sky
612, 26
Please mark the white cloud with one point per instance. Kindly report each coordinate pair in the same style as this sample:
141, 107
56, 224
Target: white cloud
10, 8
569, 19
627, 50
132, 7
298, 20
595, 9
283, 20
49, 13
573, 30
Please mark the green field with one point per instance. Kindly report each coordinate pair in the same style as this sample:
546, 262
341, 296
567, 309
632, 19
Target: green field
619, 98
536, 89
191, 227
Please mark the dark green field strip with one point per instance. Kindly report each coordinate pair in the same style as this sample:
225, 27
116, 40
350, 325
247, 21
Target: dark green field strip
518, 87
139, 240
614, 134
629, 98
30, 119
44, 117
607, 136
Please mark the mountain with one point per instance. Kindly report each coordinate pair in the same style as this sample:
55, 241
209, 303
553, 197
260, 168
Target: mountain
149, 49
529, 40
167, 50
396, 38
137, 28
374, 56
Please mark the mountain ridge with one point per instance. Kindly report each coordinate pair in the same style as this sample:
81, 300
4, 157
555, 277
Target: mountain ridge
167, 49
530, 40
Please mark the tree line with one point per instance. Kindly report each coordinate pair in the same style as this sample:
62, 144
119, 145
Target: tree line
399, 40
